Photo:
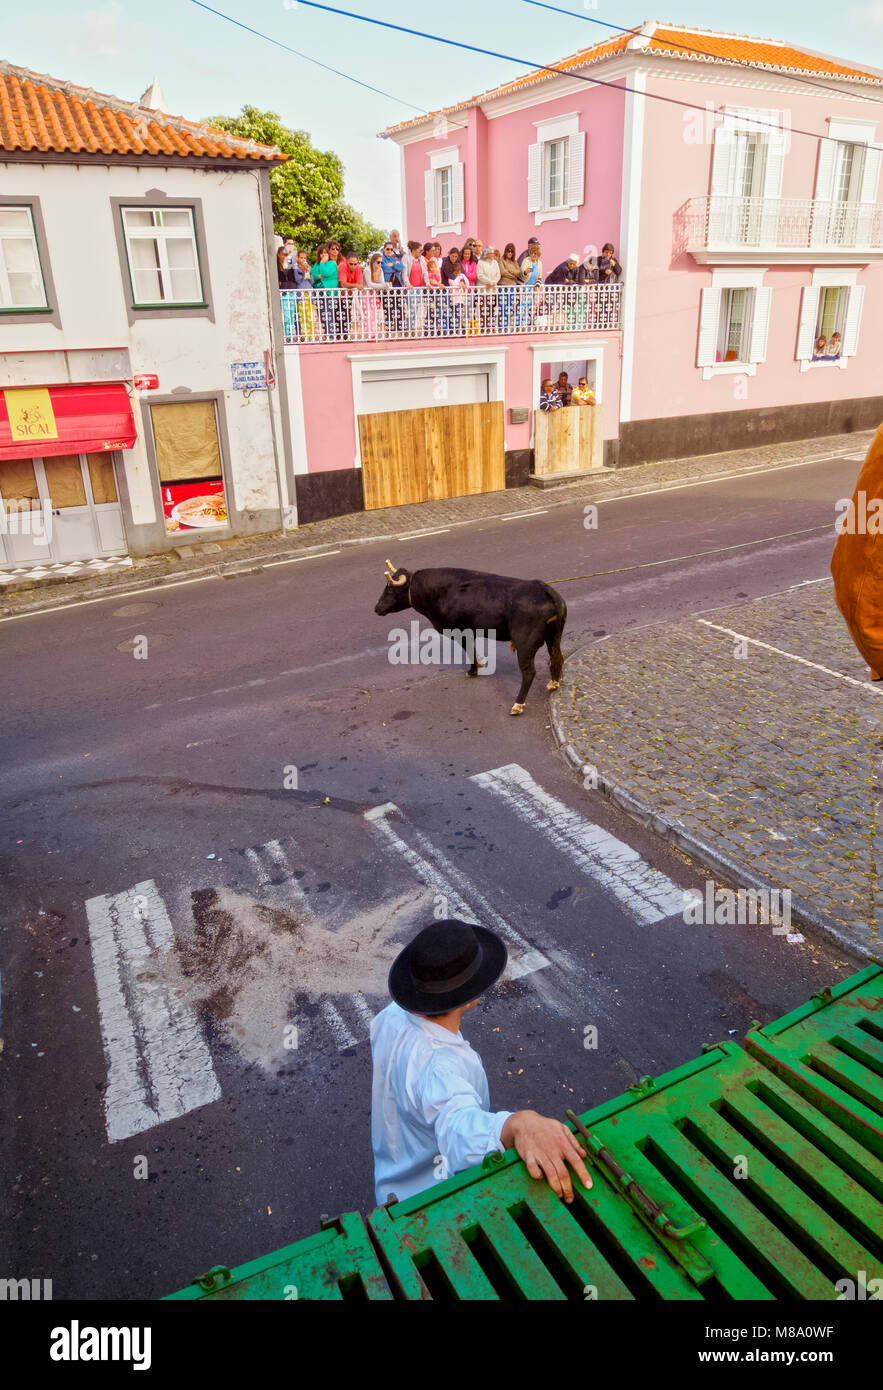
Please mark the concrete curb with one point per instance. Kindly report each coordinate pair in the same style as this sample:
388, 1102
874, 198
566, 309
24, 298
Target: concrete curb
734, 874
251, 564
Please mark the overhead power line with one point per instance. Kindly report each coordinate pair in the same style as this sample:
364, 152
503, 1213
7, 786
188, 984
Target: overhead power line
544, 67
288, 49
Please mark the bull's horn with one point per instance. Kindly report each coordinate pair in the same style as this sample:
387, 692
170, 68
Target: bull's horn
391, 575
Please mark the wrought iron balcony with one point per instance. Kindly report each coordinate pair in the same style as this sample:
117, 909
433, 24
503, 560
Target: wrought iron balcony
725, 230
392, 314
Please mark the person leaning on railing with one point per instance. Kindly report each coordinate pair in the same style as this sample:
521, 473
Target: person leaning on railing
350, 279
487, 278
324, 273
510, 277
372, 302
306, 312
532, 277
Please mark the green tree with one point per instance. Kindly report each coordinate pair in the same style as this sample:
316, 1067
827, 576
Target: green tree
307, 190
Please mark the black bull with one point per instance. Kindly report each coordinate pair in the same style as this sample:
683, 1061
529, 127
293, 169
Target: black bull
523, 612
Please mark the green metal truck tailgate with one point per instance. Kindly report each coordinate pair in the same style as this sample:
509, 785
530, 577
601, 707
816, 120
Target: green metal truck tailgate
722, 1143
752, 1173
830, 1051
335, 1264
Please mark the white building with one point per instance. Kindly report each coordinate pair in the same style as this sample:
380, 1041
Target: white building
139, 328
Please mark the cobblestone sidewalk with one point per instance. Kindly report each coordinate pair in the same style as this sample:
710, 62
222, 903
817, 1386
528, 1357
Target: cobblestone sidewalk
397, 523
751, 738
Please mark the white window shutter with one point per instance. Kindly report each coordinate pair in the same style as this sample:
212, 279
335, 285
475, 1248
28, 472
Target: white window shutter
871, 174
825, 170
709, 314
534, 178
722, 162
809, 313
853, 320
429, 192
459, 194
576, 169
775, 163
760, 324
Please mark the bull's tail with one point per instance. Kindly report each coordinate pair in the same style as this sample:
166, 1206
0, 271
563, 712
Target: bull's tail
554, 633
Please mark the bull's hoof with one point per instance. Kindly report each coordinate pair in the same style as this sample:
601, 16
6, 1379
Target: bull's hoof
553, 685
470, 672
511, 646
517, 709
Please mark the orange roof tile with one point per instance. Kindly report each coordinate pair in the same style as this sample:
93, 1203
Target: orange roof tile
666, 39
42, 115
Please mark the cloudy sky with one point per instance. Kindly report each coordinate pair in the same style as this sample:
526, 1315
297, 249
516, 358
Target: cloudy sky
207, 65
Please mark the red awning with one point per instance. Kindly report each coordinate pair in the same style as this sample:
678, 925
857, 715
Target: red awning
81, 420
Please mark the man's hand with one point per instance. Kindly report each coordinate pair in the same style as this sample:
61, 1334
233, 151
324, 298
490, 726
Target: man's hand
547, 1146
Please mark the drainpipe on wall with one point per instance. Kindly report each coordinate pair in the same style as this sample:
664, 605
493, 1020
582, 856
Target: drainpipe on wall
274, 351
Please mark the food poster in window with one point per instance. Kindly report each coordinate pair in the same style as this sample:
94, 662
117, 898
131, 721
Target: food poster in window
195, 505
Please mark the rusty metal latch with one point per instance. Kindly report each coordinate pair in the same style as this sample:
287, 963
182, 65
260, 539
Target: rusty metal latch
214, 1278
640, 1088
633, 1190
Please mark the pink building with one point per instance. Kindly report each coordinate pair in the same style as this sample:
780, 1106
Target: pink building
738, 180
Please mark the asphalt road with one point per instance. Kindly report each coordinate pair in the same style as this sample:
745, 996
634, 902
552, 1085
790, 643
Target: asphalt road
211, 853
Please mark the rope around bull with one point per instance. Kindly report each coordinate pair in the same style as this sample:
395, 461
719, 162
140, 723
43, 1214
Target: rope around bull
697, 555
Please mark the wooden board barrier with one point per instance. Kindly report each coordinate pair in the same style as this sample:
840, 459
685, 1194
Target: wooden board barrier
426, 455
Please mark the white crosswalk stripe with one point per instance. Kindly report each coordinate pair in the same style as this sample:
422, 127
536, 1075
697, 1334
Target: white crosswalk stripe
462, 899
158, 1064
648, 893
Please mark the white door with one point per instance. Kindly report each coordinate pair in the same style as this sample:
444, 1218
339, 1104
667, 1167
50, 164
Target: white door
24, 518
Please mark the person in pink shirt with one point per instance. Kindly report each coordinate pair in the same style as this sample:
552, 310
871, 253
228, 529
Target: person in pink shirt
469, 266
416, 307
349, 279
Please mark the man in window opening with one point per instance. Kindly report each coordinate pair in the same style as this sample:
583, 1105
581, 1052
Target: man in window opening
820, 351
430, 1101
582, 394
564, 388
834, 348
550, 400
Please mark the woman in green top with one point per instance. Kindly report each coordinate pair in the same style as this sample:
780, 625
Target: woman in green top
325, 278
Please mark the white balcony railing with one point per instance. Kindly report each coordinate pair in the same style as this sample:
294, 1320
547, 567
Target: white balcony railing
390, 315
719, 223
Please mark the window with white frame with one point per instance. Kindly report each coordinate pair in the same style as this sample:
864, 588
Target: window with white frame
444, 188
21, 278
555, 173
847, 182
746, 176
733, 323
830, 318
734, 318
556, 169
163, 256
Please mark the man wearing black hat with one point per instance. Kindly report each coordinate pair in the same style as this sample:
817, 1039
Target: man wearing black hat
430, 1104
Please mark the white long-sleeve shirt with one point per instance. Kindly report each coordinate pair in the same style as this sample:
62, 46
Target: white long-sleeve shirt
429, 1102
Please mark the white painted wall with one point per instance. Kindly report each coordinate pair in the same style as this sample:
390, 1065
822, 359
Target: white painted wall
191, 352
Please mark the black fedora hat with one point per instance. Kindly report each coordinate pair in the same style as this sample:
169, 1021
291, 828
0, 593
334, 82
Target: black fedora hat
447, 964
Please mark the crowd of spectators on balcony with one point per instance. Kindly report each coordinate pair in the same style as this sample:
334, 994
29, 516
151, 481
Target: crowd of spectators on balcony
469, 289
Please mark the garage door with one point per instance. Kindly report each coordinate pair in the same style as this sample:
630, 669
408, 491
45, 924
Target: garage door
419, 388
